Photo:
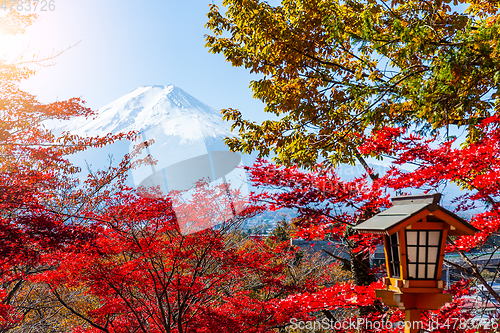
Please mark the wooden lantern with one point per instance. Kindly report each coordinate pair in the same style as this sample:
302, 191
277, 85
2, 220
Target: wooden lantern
415, 230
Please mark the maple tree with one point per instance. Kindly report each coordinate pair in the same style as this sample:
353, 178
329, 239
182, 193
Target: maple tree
332, 70
143, 274
474, 167
344, 80
328, 206
322, 201
39, 201
97, 256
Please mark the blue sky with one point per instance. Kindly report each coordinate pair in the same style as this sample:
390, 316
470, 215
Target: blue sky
121, 45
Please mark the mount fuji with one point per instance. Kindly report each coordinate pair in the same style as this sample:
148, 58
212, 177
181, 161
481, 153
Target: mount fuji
188, 140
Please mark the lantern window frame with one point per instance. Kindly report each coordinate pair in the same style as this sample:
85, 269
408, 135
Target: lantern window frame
422, 258
394, 255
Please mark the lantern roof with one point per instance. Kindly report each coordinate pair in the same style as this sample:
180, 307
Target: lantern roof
412, 208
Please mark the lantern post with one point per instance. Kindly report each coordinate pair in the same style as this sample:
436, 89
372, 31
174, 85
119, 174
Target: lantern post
415, 230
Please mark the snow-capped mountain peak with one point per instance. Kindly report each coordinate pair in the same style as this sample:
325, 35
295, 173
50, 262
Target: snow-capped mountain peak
177, 112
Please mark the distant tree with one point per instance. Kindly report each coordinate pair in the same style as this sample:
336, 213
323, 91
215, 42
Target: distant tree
282, 231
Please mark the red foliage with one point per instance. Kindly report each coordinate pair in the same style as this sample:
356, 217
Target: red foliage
38, 199
140, 273
475, 167
149, 277
326, 204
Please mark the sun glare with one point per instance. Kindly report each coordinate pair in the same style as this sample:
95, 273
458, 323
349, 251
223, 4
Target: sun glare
10, 48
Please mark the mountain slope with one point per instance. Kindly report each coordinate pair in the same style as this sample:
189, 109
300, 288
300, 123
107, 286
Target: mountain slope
183, 129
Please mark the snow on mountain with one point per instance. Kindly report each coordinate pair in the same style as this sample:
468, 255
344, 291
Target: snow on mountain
177, 112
